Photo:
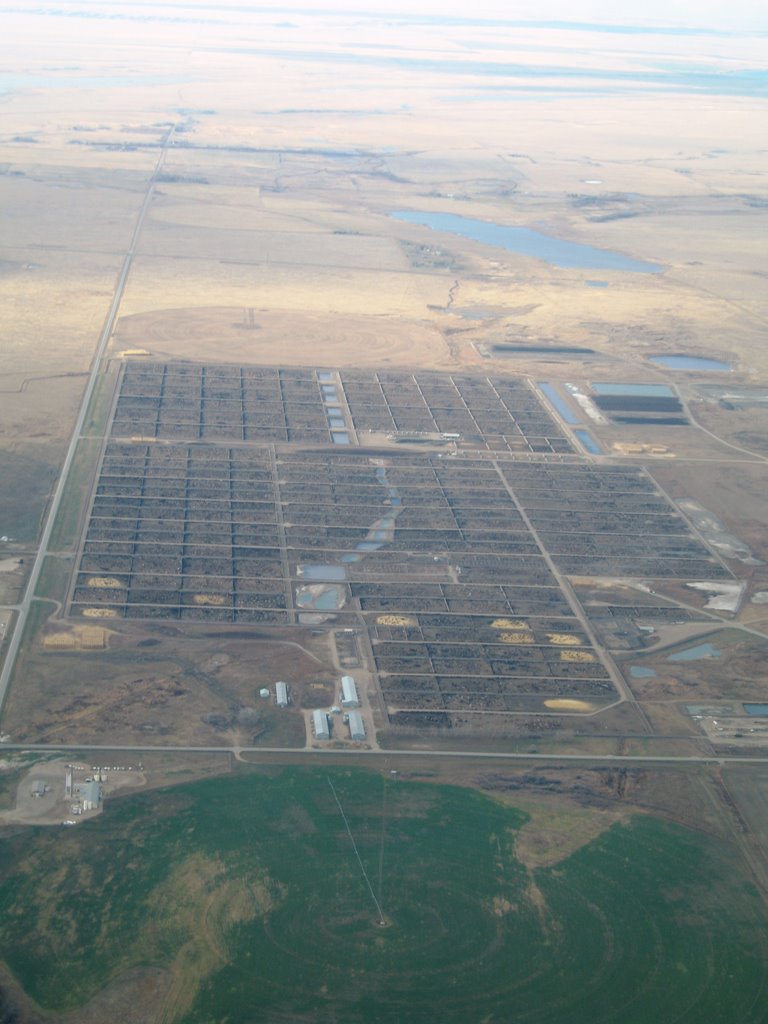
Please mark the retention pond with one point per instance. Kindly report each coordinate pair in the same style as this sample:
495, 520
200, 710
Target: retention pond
696, 653
691, 363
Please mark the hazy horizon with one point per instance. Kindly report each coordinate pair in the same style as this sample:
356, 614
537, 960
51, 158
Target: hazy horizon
744, 15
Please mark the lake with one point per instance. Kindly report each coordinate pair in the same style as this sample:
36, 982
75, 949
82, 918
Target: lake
528, 242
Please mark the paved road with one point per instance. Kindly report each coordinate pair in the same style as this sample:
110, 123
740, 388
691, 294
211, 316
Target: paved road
101, 347
304, 753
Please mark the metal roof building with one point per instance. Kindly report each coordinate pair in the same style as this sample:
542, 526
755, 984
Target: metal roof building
349, 698
281, 695
356, 726
90, 795
320, 725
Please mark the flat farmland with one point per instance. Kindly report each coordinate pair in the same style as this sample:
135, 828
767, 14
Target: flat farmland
268, 875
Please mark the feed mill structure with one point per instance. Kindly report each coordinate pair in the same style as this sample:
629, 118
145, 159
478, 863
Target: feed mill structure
349, 697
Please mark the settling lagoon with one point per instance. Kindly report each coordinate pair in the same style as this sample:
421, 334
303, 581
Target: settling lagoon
588, 442
696, 653
554, 396
679, 362
632, 390
642, 672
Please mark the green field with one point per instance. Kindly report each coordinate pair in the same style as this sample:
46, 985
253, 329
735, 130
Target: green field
97, 414
23, 504
65, 527
248, 890
54, 577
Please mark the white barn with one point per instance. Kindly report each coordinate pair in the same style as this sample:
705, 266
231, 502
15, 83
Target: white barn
281, 695
349, 698
320, 725
356, 726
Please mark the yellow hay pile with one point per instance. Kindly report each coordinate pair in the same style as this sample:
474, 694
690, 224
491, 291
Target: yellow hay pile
564, 639
215, 599
567, 704
395, 620
59, 642
104, 582
100, 613
516, 638
581, 656
91, 638
640, 449
86, 638
509, 624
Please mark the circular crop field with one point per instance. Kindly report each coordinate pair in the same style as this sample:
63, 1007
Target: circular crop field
343, 896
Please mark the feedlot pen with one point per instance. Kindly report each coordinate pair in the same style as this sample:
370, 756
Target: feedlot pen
224, 496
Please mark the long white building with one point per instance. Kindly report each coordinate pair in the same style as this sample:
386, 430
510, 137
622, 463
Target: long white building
349, 698
281, 695
320, 725
356, 726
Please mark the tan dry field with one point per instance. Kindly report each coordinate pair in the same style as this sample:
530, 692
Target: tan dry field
168, 686
737, 674
11, 583
744, 428
224, 334
734, 493
353, 261
269, 197
681, 442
